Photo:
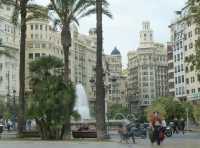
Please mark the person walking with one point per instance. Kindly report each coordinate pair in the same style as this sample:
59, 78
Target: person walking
182, 126
175, 126
156, 124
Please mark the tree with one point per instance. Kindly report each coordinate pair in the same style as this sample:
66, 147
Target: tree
26, 11
196, 113
100, 89
117, 108
68, 12
51, 100
170, 108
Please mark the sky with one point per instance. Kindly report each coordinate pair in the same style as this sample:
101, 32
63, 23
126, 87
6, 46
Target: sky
123, 30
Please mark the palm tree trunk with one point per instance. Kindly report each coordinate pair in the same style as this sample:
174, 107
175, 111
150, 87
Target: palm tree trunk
100, 92
66, 43
22, 102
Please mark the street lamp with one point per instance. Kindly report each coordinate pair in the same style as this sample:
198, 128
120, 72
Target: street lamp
14, 109
187, 114
108, 125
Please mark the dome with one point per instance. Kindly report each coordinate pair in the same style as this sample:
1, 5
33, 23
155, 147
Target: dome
115, 51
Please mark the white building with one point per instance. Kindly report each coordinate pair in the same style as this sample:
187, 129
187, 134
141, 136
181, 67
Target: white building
184, 33
41, 40
147, 70
9, 66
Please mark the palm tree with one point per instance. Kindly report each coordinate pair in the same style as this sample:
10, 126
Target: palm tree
22, 8
69, 11
100, 90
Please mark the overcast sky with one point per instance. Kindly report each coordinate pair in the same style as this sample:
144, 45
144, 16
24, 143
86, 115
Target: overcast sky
123, 30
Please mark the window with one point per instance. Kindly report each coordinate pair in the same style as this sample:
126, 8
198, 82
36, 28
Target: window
185, 36
181, 44
190, 34
183, 79
179, 68
187, 81
190, 45
37, 55
31, 36
31, 27
30, 56
181, 55
192, 79
193, 91
191, 68
8, 8
36, 27
1, 66
186, 69
176, 91
175, 58
182, 68
179, 90
175, 69
198, 89
179, 79
41, 27
178, 57
188, 91
185, 47
176, 80
43, 45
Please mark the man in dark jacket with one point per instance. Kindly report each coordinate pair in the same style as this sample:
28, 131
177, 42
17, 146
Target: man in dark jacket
182, 125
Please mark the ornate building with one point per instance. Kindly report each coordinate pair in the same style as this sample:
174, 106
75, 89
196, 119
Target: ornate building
9, 66
117, 81
147, 71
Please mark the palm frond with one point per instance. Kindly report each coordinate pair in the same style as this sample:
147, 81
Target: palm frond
36, 11
7, 52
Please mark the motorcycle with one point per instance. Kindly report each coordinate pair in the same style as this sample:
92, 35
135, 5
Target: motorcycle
168, 131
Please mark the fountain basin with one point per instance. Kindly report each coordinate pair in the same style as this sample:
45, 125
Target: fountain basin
84, 134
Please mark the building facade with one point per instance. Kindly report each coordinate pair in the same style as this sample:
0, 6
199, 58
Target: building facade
184, 34
171, 86
41, 40
116, 79
9, 66
147, 71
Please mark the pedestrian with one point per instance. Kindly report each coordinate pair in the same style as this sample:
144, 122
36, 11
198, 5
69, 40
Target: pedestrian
175, 130
122, 130
156, 125
182, 126
29, 125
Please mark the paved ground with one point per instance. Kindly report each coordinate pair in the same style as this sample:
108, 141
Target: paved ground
190, 140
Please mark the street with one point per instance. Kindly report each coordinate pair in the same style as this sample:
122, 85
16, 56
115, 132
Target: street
189, 140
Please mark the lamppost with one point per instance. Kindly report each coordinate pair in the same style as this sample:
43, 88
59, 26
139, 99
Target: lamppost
187, 114
108, 124
14, 109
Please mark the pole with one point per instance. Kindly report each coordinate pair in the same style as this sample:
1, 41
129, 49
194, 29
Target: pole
187, 118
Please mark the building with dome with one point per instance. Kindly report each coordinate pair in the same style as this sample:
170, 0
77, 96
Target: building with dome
117, 81
147, 71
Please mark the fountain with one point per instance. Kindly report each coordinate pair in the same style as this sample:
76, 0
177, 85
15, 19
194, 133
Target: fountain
82, 107
82, 104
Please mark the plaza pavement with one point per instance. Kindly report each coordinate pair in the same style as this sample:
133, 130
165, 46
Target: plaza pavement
190, 140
